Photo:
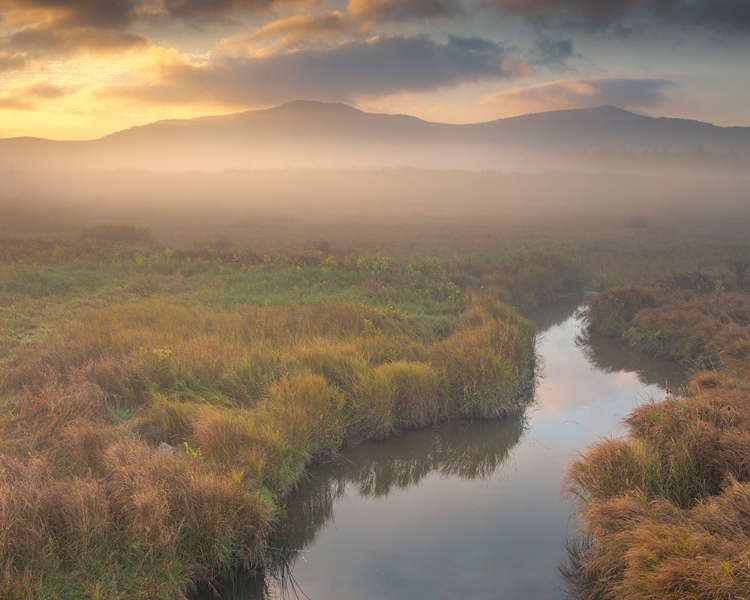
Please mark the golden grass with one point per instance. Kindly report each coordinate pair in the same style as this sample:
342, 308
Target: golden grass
146, 444
667, 509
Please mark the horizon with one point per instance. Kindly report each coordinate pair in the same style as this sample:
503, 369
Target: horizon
391, 114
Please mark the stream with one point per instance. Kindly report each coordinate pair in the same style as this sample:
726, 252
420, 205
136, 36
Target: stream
469, 510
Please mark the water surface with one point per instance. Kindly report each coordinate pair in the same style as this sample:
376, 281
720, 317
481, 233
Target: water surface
467, 509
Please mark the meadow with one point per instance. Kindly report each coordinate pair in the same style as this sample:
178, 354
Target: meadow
159, 404
169, 371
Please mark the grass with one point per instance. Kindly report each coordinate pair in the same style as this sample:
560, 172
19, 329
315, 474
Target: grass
665, 509
162, 403
158, 403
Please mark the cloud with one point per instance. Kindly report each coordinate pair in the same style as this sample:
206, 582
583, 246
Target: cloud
12, 103
298, 30
552, 52
12, 62
198, 11
52, 27
45, 91
591, 11
398, 10
725, 15
65, 26
377, 67
361, 17
109, 14
26, 97
118, 14
60, 40
580, 93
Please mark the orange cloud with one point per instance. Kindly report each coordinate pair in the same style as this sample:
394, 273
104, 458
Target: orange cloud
12, 62
26, 97
46, 40
297, 30
397, 10
577, 93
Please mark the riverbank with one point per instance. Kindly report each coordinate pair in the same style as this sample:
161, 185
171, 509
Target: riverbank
467, 509
158, 404
665, 509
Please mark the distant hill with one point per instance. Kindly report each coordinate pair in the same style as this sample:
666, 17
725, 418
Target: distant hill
315, 134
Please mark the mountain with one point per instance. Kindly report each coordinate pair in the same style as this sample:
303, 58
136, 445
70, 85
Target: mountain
315, 134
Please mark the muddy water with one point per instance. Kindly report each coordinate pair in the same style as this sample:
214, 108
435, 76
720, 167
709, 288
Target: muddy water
465, 510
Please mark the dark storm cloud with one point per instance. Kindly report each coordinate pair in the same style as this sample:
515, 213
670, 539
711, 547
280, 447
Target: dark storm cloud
731, 14
398, 10
592, 11
378, 67
716, 14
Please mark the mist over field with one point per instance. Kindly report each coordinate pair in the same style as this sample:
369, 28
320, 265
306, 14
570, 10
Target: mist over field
382, 209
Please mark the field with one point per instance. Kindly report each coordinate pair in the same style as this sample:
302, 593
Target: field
158, 404
167, 376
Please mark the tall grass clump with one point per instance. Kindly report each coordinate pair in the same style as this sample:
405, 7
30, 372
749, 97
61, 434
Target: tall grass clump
397, 396
488, 366
612, 311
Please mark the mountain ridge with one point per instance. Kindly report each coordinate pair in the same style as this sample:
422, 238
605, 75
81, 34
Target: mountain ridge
318, 134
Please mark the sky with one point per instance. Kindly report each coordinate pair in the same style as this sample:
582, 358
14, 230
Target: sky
80, 69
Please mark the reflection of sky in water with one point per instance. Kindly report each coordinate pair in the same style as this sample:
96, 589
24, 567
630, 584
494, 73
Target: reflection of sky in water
450, 536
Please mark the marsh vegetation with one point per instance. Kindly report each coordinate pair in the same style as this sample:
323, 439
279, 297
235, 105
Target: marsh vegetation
168, 376
167, 401
666, 507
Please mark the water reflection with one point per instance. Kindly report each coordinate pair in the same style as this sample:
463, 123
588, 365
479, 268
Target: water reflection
468, 451
466, 509
611, 356
554, 315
